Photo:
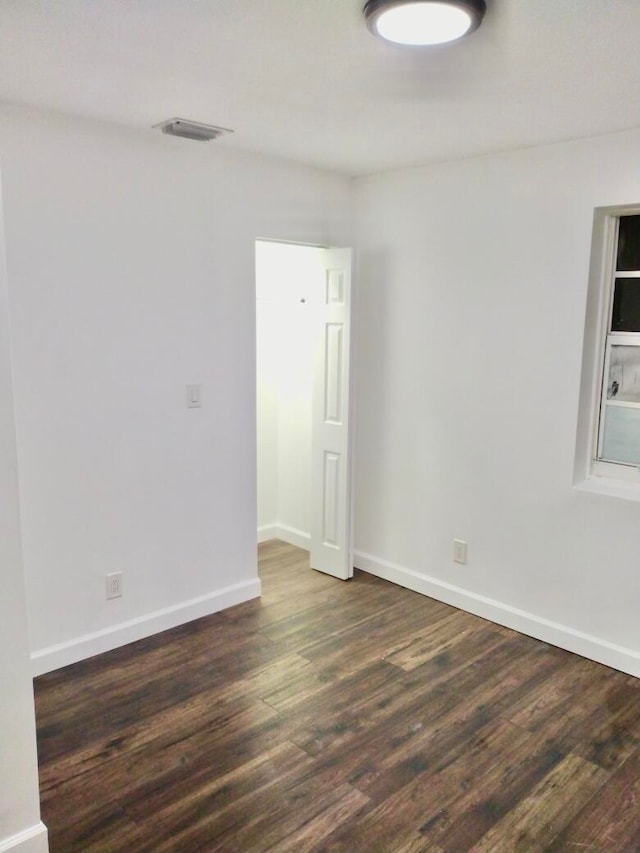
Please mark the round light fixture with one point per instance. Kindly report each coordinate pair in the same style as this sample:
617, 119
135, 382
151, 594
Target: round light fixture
423, 22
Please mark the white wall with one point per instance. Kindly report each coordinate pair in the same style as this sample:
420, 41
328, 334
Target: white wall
20, 827
267, 372
131, 273
289, 282
473, 282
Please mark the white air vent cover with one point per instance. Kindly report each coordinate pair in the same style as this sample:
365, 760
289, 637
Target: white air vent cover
191, 129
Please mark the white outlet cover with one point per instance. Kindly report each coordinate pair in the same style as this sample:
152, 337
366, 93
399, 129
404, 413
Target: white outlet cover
114, 585
459, 551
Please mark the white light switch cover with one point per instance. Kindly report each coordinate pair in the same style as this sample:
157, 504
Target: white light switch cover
194, 397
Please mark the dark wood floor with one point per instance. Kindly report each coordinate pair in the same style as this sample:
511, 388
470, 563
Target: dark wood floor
338, 716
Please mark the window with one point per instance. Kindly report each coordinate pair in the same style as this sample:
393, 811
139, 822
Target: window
607, 457
618, 428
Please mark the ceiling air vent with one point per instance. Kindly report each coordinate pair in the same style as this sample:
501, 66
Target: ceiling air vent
191, 129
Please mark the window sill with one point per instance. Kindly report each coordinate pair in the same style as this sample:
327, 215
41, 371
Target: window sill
610, 487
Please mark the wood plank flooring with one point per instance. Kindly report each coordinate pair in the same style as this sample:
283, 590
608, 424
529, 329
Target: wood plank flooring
339, 717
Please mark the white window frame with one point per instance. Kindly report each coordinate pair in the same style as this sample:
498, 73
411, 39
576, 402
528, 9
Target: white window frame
592, 473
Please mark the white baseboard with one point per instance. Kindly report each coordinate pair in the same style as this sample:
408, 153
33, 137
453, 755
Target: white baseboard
595, 648
267, 532
63, 654
32, 840
286, 534
294, 537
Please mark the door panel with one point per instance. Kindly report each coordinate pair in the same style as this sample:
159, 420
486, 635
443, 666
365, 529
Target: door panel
330, 466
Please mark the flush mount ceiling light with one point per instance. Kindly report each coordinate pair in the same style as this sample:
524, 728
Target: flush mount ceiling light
423, 22
191, 129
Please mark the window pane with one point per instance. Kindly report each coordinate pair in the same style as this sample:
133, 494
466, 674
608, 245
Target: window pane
621, 435
626, 305
629, 243
623, 382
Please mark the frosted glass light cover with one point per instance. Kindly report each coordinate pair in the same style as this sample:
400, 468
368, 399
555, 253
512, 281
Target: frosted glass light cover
423, 23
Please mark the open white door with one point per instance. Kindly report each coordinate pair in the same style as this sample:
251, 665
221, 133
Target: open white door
330, 463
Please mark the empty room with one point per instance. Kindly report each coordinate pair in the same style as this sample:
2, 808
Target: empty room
319, 467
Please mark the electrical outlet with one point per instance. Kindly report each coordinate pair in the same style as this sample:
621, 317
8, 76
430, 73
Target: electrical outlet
459, 551
114, 585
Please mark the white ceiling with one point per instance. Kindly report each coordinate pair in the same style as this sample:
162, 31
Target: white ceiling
305, 80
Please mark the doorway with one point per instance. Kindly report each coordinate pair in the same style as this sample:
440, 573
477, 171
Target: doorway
303, 314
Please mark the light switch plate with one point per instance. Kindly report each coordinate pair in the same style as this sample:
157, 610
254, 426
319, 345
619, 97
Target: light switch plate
194, 397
